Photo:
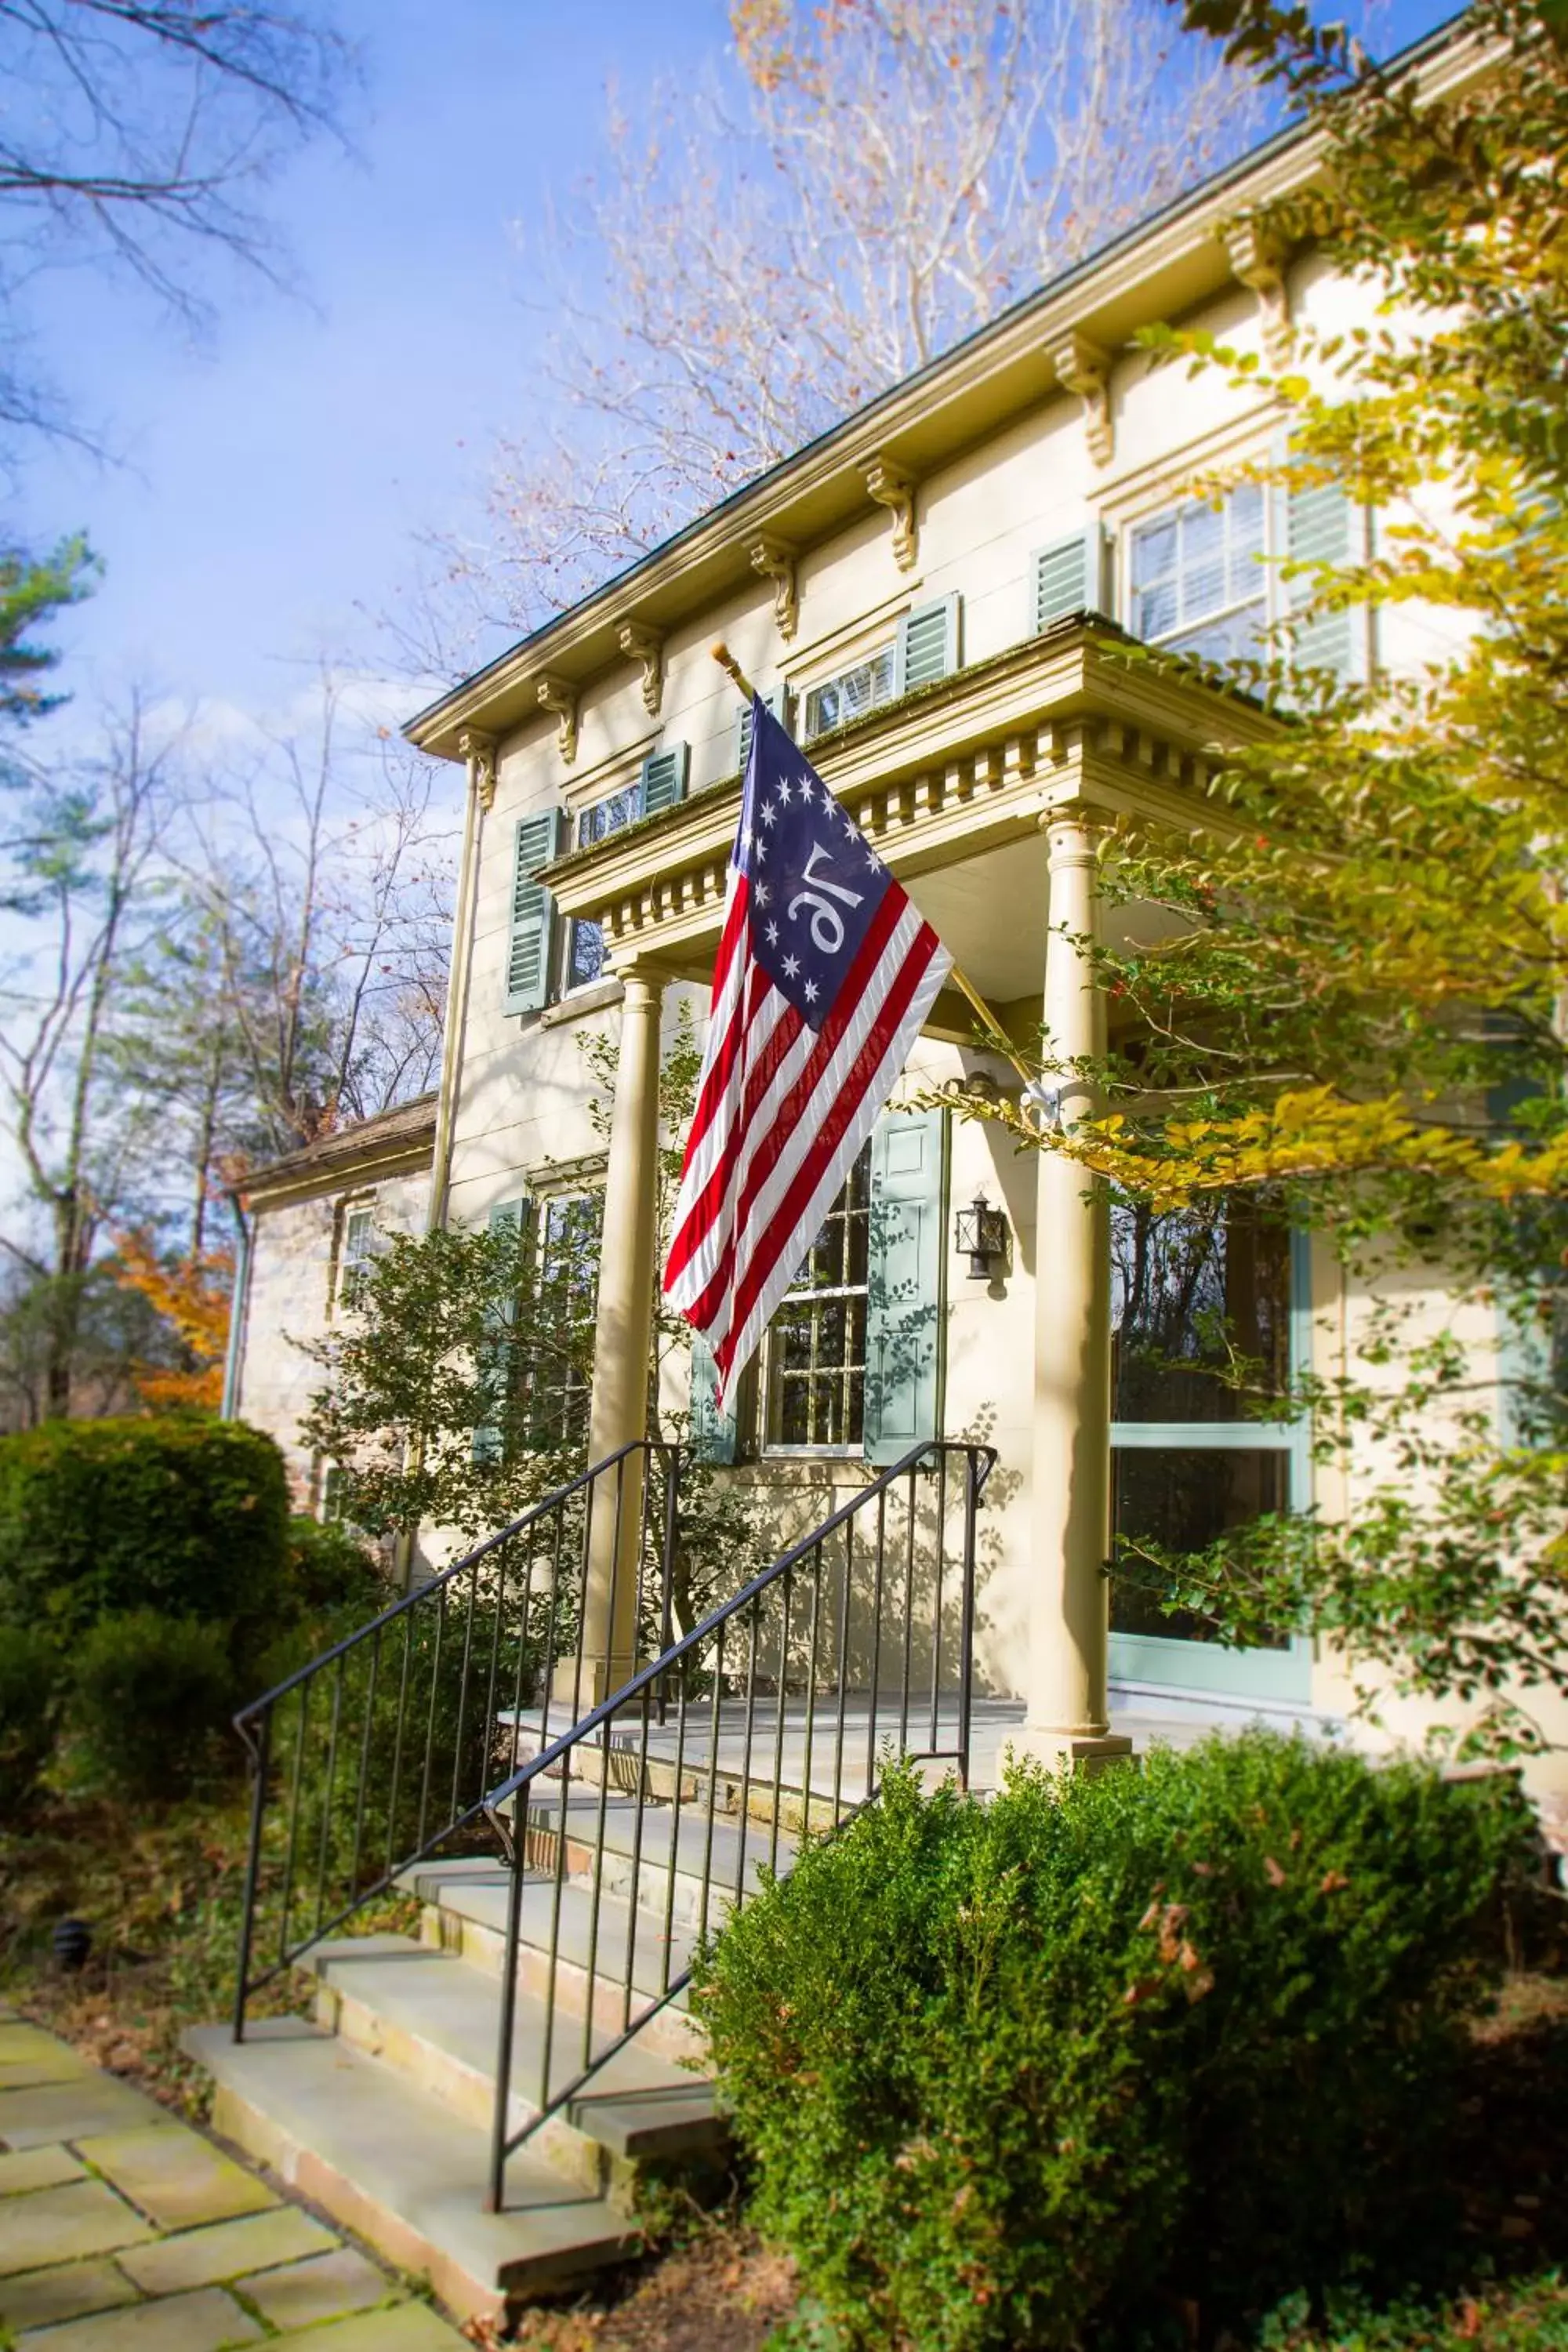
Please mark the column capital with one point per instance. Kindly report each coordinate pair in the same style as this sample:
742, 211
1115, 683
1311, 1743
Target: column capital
641, 971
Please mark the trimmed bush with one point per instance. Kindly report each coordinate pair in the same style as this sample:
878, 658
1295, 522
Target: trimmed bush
329, 1569
148, 1694
30, 1690
1012, 2072
182, 1516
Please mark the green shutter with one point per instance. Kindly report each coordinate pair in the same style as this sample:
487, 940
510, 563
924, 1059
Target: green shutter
778, 703
1069, 577
927, 645
664, 778
533, 923
1324, 526
494, 1359
713, 1424
904, 1310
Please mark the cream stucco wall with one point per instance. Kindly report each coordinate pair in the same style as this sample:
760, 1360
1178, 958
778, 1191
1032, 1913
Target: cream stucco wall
291, 1295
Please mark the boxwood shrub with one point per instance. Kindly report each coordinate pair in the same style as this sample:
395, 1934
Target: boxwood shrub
1062, 2066
148, 1706
99, 1518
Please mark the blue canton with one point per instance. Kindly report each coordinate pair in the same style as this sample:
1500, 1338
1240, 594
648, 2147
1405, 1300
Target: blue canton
815, 880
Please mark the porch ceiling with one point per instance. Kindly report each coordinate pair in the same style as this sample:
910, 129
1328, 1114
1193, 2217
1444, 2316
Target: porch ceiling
951, 784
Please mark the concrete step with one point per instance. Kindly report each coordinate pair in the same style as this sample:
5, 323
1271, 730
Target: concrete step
389, 2160
437, 2018
466, 1914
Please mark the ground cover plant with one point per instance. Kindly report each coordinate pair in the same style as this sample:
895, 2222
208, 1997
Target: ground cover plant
1040, 2072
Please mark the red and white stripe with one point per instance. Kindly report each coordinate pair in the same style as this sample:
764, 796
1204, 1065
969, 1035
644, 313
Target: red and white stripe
782, 1115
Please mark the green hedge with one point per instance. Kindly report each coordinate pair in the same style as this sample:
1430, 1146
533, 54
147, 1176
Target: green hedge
183, 1516
1025, 2072
149, 1703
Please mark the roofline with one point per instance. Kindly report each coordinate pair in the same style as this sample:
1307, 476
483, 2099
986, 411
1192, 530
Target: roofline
448, 707
354, 1151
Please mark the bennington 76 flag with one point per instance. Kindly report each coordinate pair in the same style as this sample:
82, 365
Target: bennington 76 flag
825, 973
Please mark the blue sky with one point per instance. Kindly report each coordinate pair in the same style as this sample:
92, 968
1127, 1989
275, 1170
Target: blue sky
271, 487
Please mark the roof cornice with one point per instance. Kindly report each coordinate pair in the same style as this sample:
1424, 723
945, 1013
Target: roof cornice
1157, 270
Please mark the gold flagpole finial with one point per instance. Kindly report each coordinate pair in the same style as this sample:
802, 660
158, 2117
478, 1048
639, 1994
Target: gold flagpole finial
726, 661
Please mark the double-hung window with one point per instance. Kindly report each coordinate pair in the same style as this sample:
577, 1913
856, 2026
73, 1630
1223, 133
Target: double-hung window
814, 1373
1193, 1292
852, 693
1198, 580
358, 1250
586, 943
563, 1283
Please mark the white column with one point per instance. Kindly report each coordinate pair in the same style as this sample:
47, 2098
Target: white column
623, 1347
1067, 1718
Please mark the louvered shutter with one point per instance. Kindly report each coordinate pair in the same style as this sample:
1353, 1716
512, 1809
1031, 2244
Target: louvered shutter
1070, 577
1323, 525
533, 920
904, 1307
927, 645
493, 1363
713, 1424
778, 703
664, 778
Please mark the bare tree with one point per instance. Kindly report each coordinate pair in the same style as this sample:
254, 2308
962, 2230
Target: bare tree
871, 180
327, 896
85, 871
135, 135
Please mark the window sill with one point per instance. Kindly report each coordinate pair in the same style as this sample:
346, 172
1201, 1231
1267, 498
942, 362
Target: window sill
804, 1469
578, 1000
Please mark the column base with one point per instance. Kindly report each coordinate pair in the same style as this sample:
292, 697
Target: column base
596, 1679
1070, 1751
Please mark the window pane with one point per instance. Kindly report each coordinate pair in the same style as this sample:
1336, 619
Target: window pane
1154, 552
1184, 1499
585, 955
849, 695
1181, 1286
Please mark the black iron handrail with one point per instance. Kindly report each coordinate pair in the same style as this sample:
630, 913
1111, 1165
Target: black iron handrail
761, 1626
327, 1837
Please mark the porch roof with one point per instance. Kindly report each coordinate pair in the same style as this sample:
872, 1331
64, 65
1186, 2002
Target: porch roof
951, 783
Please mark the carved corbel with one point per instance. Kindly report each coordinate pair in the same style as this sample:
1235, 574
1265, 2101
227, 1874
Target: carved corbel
894, 490
555, 695
479, 751
1082, 367
775, 559
1258, 260
647, 647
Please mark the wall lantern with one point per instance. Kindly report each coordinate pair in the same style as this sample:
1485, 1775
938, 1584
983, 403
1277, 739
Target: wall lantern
981, 1232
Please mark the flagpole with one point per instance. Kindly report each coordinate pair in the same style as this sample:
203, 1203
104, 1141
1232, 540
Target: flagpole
726, 661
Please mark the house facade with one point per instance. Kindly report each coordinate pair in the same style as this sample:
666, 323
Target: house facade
934, 597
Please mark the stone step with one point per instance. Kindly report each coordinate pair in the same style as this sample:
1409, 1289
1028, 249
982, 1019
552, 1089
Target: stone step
437, 2018
390, 2160
466, 1914
646, 1845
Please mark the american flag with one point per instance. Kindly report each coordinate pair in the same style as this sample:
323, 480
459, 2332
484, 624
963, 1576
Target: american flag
825, 976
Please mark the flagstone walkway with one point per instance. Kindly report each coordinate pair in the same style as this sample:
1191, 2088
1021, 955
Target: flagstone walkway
122, 2229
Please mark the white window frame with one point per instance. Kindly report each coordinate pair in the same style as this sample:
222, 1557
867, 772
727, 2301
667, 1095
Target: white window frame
619, 809
353, 1260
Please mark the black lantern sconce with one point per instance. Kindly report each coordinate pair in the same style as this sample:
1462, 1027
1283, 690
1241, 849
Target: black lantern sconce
981, 1232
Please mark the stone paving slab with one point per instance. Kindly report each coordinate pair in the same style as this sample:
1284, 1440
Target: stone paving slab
136, 2259
328, 2286
206, 2320
64, 2225
412, 2328
72, 2110
176, 2175
230, 2250
38, 2168
43, 2297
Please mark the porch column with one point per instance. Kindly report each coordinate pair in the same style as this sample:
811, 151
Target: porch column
1067, 1720
623, 1349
